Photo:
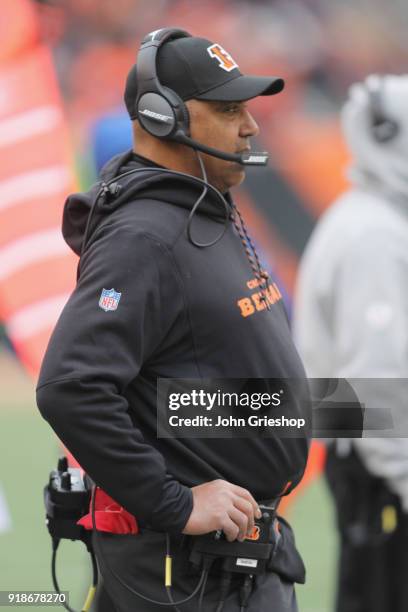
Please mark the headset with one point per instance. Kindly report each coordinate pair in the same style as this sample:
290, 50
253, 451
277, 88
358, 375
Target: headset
161, 111
383, 128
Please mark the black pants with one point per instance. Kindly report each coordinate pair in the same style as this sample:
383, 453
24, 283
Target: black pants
139, 561
373, 564
102, 601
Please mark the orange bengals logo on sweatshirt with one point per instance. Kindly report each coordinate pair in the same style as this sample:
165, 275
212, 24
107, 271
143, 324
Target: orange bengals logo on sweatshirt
254, 303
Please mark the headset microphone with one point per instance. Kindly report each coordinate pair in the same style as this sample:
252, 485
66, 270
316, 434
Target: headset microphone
246, 158
161, 123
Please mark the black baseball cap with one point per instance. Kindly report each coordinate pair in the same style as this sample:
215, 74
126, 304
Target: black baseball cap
198, 68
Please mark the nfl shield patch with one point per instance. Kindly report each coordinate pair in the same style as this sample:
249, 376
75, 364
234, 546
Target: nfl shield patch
109, 299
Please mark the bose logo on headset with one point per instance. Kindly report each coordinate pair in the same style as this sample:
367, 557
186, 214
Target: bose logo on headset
157, 116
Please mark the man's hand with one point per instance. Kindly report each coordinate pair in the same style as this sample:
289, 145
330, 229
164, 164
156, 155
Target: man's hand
221, 505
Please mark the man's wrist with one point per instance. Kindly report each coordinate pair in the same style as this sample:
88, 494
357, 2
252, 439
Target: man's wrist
174, 508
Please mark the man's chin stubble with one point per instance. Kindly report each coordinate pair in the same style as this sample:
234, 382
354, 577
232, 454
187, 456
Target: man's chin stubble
239, 173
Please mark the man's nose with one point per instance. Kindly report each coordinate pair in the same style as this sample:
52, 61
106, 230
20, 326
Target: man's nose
249, 126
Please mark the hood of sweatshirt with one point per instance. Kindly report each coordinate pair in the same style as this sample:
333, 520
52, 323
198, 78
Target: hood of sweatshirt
378, 167
182, 191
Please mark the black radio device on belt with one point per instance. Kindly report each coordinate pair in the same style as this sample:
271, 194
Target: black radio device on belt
66, 497
247, 557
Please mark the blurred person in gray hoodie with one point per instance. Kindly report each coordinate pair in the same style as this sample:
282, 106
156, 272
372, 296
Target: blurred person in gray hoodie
351, 321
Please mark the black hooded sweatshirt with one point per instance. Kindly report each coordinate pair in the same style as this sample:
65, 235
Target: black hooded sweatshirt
184, 312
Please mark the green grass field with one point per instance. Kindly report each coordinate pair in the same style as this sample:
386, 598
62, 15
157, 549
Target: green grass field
29, 451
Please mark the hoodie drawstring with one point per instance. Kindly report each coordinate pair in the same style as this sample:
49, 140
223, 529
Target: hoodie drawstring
251, 253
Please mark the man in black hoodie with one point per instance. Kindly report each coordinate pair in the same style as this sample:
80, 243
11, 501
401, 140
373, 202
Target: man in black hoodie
152, 302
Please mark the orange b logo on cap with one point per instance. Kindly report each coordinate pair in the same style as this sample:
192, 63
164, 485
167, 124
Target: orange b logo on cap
225, 61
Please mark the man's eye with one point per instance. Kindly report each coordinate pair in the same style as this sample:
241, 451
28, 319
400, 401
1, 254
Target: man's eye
233, 108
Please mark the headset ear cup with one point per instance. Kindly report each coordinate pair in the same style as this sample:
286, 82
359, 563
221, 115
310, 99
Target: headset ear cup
385, 130
156, 115
161, 116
